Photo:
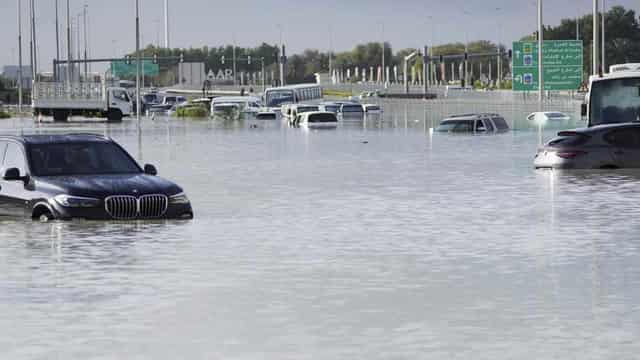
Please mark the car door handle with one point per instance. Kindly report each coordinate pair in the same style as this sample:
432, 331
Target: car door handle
619, 152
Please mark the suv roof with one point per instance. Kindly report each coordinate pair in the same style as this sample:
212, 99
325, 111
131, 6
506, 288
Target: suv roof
56, 139
472, 116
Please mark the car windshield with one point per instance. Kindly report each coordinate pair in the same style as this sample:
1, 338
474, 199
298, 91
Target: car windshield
615, 101
91, 158
277, 98
149, 98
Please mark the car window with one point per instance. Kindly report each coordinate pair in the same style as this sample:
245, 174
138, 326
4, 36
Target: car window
489, 125
14, 158
501, 123
3, 149
318, 118
120, 95
480, 126
627, 138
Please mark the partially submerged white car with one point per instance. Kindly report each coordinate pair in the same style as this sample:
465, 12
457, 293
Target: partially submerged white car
317, 120
542, 118
239, 104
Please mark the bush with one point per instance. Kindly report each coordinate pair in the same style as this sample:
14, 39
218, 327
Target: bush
506, 84
193, 111
4, 115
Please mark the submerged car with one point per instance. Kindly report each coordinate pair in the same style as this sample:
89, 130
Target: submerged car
318, 120
242, 104
474, 124
548, 117
82, 176
612, 146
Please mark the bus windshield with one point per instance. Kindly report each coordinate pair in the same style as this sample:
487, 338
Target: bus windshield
276, 98
615, 101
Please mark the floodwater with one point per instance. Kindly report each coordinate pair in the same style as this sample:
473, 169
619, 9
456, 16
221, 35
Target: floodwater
376, 240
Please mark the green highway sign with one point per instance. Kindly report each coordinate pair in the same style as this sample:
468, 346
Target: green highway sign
562, 60
122, 69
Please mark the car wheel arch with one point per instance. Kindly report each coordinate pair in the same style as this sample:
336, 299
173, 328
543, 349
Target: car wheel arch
40, 209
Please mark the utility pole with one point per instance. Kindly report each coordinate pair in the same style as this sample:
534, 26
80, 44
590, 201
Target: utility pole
166, 24
578, 28
235, 76
138, 66
603, 58
499, 72
78, 45
594, 47
20, 56
283, 60
85, 41
540, 55
31, 48
330, 54
425, 63
35, 43
68, 46
57, 43
383, 59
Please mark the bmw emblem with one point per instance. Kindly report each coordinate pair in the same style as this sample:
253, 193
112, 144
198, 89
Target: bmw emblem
135, 191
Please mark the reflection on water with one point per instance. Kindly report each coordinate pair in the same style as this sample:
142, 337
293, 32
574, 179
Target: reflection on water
378, 239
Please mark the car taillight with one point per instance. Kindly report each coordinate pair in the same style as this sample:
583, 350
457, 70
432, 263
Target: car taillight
570, 154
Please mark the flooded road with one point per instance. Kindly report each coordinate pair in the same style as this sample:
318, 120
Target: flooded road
375, 240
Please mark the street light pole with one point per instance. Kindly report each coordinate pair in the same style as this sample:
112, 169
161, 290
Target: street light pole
264, 88
19, 56
499, 72
138, 65
235, 76
85, 41
57, 42
35, 43
603, 59
68, 45
33, 73
540, 55
594, 47
383, 59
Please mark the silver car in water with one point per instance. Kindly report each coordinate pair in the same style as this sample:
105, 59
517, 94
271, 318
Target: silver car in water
612, 146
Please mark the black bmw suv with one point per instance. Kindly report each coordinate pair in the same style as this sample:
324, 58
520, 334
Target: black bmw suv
82, 176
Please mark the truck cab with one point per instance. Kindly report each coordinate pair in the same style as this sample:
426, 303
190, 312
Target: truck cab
119, 104
614, 97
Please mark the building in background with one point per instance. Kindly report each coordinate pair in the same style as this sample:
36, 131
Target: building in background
11, 72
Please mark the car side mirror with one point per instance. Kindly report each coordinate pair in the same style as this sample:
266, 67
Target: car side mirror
150, 170
583, 110
13, 174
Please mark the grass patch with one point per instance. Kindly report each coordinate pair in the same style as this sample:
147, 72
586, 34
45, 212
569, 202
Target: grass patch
336, 93
4, 115
193, 111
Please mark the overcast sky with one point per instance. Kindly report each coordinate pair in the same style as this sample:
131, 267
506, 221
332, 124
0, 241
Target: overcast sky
304, 24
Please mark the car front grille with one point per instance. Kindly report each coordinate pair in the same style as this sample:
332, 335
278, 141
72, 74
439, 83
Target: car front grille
123, 207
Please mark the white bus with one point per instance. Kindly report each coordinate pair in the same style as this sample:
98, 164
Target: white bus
274, 98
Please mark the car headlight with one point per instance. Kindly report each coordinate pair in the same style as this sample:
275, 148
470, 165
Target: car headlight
180, 198
76, 201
